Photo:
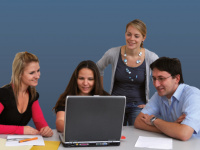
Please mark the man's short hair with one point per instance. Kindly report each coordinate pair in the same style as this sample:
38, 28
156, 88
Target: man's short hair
170, 65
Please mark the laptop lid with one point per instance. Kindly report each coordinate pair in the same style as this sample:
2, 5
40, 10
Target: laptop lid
93, 120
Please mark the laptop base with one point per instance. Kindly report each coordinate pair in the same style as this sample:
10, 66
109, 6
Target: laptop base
87, 144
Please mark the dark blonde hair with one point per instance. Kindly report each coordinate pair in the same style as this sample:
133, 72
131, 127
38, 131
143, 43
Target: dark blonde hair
140, 26
21, 60
72, 87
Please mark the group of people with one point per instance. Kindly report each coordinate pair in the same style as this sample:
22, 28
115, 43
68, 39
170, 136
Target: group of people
172, 110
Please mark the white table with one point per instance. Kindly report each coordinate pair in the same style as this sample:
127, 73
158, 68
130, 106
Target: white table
132, 135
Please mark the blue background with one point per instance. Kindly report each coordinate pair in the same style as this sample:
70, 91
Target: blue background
64, 32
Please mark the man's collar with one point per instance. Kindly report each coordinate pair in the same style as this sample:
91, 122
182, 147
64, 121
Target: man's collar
177, 94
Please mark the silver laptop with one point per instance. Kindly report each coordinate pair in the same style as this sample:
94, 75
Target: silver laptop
93, 121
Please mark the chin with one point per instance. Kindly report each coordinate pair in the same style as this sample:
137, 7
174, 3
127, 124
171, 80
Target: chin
161, 94
131, 47
33, 85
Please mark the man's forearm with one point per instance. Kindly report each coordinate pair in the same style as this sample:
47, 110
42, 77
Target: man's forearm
140, 124
175, 130
172, 129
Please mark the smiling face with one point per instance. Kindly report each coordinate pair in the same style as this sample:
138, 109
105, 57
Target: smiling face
133, 37
30, 75
85, 81
168, 85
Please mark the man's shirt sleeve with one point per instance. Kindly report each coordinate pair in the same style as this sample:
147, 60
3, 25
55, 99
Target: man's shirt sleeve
192, 110
152, 107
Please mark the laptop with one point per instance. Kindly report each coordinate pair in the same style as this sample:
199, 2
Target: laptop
93, 121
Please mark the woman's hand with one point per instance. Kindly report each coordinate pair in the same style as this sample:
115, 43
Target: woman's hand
141, 106
30, 130
46, 131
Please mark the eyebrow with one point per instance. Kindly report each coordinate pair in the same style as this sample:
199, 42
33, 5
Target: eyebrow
158, 76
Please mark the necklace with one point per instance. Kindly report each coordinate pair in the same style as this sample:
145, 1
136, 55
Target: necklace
137, 62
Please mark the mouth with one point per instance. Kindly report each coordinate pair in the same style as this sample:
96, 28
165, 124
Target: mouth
85, 88
131, 44
35, 80
160, 89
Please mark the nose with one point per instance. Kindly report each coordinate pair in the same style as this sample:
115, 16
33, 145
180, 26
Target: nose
37, 75
132, 37
85, 82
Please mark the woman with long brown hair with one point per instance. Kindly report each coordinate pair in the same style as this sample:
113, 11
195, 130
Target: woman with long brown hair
85, 80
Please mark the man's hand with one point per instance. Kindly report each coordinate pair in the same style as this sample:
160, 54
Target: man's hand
147, 119
181, 118
141, 106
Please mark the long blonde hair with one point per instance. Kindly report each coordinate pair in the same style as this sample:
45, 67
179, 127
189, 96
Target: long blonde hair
21, 60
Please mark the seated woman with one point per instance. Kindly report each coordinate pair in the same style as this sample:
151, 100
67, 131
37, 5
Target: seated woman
84, 81
19, 99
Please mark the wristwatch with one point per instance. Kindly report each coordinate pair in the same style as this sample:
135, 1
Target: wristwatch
152, 120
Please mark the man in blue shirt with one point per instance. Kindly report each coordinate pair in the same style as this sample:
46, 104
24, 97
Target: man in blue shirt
175, 108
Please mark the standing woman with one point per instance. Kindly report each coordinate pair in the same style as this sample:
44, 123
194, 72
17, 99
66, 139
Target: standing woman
19, 99
84, 81
130, 69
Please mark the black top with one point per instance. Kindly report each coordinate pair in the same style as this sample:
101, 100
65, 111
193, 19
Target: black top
60, 108
130, 82
10, 114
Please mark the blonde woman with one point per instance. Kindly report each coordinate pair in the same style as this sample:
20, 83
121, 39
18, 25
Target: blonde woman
19, 99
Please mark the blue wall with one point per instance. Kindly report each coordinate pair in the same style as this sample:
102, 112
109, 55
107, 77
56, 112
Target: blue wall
64, 32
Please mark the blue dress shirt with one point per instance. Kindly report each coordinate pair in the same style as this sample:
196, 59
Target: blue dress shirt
186, 99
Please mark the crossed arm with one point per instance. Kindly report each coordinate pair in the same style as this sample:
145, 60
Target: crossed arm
172, 129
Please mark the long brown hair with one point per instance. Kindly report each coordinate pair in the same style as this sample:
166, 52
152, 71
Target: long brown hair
21, 60
72, 87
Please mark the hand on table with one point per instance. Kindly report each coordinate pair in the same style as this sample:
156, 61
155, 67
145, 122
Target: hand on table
46, 131
30, 130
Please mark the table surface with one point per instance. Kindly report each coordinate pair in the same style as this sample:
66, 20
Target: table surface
132, 135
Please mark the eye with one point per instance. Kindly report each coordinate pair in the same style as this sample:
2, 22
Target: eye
137, 36
161, 79
32, 72
128, 34
153, 79
91, 79
80, 78
38, 70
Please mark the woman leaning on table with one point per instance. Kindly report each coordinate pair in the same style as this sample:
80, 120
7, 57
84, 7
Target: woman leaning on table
130, 69
19, 99
84, 81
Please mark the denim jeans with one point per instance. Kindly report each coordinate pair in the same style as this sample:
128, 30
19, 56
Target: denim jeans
131, 113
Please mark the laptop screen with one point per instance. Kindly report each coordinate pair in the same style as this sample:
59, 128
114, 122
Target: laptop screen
94, 118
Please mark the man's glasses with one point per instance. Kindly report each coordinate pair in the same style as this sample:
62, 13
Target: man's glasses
160, 79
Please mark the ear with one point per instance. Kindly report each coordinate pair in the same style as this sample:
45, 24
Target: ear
177, 77
144, 38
